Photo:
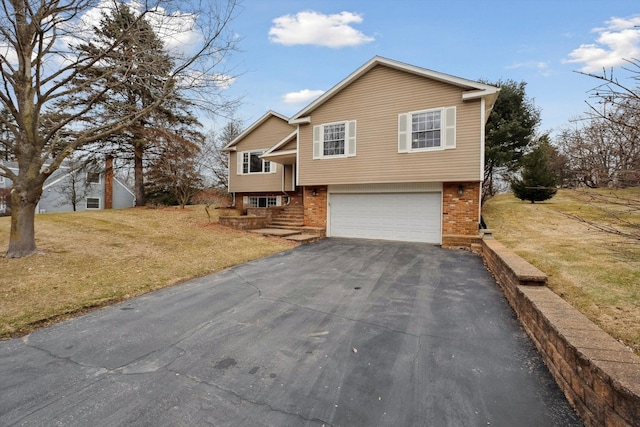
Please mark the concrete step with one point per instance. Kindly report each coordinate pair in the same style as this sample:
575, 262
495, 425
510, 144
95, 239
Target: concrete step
304, 238
279, 232
316, 231
288, 216
286, 224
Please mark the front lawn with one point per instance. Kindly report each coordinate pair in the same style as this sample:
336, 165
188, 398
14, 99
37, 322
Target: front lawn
597, 272
91, 259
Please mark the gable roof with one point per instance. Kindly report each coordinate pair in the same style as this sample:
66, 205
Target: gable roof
474, 89
261, 120
275, 154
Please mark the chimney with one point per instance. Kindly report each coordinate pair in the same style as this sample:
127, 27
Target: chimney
108, 183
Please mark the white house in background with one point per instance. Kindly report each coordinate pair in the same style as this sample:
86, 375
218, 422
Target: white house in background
97, 189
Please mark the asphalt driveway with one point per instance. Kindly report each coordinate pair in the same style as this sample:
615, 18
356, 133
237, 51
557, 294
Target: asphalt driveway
340, 332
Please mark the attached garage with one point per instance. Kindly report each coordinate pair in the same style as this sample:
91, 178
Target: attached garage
405, 214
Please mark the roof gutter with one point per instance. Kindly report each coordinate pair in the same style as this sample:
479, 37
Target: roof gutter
300, 121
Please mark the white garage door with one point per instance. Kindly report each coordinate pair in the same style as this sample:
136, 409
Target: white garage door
410, 217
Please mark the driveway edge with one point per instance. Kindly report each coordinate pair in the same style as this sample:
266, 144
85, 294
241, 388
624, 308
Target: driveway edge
599, 376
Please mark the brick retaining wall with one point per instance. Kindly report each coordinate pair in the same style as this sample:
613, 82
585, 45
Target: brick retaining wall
244, 222
599, 376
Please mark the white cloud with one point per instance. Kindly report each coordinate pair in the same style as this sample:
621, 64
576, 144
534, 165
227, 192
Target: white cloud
314, 28
540, 66
302, 96
618, 41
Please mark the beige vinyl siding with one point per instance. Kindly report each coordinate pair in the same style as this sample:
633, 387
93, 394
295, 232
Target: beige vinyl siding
288, 177
261, 139
291, 145
374, 102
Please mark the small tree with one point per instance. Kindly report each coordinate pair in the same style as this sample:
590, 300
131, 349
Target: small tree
216, 197
74, 188
175, 172
508, 134
538, 181
215, 161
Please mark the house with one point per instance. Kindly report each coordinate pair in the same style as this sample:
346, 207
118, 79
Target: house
92, 188
393, 151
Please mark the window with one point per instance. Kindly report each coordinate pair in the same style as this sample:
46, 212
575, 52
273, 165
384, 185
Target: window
334, 140
93, 177
250, 162
93, 203
427, 130
263, 202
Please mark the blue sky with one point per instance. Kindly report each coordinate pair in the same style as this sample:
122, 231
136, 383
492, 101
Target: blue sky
291, 49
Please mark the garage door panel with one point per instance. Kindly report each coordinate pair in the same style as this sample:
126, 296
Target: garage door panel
388, 216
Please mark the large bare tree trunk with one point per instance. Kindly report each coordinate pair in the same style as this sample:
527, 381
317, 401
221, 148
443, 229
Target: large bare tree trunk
51, 111
138, 173
22, 238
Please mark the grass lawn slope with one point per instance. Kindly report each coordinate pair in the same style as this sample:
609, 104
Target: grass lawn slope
597, 272
91, 259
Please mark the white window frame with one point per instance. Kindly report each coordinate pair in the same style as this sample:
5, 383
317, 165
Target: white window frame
92, 198
98, 174
447, 130
254, 201
266, 164
349, 140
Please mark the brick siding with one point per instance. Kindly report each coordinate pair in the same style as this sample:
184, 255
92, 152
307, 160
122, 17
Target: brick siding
315, 206
108, 183
460, 213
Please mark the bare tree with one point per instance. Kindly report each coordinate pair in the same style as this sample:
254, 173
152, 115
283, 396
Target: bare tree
603, 150
591, 152
38, 67
216, 161
216, 197
176, 169
613, 125
74, 187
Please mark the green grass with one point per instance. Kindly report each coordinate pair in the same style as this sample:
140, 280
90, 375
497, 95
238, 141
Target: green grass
91, 259
596, 271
